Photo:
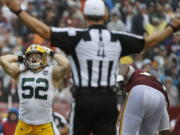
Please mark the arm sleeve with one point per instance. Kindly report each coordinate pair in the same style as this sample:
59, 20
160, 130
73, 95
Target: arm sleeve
131, 43
64, 38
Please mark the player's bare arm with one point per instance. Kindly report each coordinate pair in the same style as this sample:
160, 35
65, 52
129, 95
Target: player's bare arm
34, 24
10, 65
61, 69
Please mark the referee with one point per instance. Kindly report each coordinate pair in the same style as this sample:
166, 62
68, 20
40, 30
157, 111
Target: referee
93, 53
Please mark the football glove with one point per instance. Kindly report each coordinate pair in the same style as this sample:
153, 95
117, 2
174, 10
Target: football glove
120, 88
49, 51
120, 85
21, 58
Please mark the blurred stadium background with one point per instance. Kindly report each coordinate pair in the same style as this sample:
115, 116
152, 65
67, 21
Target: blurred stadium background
142, 17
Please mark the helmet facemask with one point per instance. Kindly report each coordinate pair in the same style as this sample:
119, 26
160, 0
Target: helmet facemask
34, 61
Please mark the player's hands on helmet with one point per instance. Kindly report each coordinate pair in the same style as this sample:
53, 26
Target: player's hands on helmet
21, 58
49, 51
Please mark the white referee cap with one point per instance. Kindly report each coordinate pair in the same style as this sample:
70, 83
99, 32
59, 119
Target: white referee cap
94, 8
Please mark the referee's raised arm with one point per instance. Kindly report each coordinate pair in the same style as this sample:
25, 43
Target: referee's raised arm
159, 36
31, 22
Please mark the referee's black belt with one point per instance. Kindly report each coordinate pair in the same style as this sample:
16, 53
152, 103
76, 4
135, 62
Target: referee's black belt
93, 90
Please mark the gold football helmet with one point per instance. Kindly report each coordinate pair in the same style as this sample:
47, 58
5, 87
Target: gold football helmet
36, 57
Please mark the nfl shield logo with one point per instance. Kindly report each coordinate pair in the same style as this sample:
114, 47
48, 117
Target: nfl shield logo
45, 72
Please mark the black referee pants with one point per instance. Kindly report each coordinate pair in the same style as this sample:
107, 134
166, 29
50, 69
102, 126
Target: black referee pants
94, 110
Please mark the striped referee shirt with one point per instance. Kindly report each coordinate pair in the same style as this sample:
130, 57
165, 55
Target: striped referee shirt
94, 52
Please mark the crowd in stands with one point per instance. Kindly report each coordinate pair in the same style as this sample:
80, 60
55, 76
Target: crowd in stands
142, 17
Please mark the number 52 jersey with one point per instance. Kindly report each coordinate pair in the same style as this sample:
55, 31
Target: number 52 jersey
36, 92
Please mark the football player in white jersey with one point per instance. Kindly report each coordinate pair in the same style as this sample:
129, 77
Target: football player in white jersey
37, 82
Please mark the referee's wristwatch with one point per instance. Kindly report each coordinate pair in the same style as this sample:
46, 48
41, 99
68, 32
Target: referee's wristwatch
18, 12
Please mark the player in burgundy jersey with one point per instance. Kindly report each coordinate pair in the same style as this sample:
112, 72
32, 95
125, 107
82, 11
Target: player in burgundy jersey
145, 108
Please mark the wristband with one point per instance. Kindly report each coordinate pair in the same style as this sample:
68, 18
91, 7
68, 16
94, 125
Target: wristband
51, 53
18, 12
175, 29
